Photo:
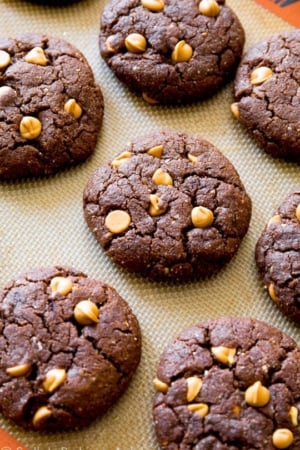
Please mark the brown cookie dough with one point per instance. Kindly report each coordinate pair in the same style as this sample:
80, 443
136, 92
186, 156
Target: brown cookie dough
171, 51
229, 384
170, 206
50, 107
69, 346
278, 256
267, 93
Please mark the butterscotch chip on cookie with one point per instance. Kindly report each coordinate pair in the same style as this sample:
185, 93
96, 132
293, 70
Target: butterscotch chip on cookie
51, 107
171, 51
69, 347
229, 384
278, 256
170, 206
267, 94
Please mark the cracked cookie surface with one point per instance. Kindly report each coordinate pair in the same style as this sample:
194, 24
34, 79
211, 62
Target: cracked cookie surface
170, 206
69, 346
267, 93
171, 51
51, 107
229, 384
278, 256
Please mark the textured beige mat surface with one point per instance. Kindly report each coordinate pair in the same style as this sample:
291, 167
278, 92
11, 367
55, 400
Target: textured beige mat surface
41, 222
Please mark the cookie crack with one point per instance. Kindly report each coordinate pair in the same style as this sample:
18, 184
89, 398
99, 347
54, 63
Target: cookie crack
113, 363
106, 357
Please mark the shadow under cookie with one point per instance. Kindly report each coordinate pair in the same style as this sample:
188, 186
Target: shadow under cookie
172, 52
69, 347
51, 107
267, 94
170, 206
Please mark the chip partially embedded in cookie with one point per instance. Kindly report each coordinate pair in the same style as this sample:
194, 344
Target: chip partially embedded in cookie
230, 383
277, 256
174, 51
51, 106
169, 206
267, 94
69, 347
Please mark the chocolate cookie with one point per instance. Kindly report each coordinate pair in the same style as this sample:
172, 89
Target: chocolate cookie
278, 256
170, 206
267, 92
51, 108
171, 51
69, 346
229, 384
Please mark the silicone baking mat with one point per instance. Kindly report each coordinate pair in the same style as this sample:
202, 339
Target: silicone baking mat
41, 221
287, 9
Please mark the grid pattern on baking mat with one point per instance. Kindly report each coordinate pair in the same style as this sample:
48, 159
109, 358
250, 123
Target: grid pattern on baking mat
41, 221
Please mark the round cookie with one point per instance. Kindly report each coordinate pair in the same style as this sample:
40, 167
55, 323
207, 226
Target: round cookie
278, 256
69, 346
171, 51
267, 93
229, 384
51, 108
170, 206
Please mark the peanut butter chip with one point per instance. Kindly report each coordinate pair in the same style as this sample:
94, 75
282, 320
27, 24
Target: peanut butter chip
40, 415
72, 107
274, 219
261, 74
236, 409
7, 95
54, 379
18, 371
209, 8
202, 217
150, 100
156, 208
153, 5
199, 408
182, 52
272, 293
156, 151
160, 386
298, 212
86, 312
36, 56
4, 59
234, 107
120, 159
194, 385
257, 395
117, 221
135, 43
162, 177
109, 44
61, 285
293, 413
30, 127
192, 158
224, 354
282, 438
